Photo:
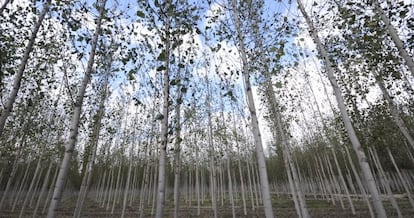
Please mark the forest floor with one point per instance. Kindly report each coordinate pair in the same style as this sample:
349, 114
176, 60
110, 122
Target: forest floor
283, 207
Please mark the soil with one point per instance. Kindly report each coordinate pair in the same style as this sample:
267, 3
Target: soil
282, 208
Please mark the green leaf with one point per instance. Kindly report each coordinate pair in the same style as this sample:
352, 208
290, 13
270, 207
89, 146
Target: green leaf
162, 56
131, 75
278, 85
140, 14
161, 68
174, 82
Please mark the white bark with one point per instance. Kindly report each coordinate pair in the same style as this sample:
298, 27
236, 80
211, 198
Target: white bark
213, 176
242, 186
31, 187
164, 125
394, 36
50, 192
362, 159
3, 6
9, 181
384, 181
394, 110
177, 152
87, 177
70, 145
22, 66
264, 182
251, 185
295, 179
334, 182
117, 185
43, 190
341, 177
402, 179
127, 185
21, 186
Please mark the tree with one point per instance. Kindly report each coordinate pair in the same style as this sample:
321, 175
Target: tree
70, 145
264, 182
19, 74
362, 159
394, 36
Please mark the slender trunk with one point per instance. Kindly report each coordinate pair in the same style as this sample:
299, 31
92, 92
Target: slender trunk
101, 188
359, 182
211, 153
164, 125
43, 190
403, 181
127, 186
230, 188
50, 192
341, 177
21, 186
177, 151
9, 181
368, 176
255, 183
117, 185
264, 182
109, 191
334, 182
70, 146
22, 66
292, 186
249, 178
31, 187
326, 183
36, 190
394, 36
154, 189
243, 192
384, 180
3, 6
144, 189
394, 111
197, 179
87, 177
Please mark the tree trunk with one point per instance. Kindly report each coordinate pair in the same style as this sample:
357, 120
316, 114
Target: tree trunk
50, 192
21, 186
127, 185
177, 151
368, 176
213, 173
384, 180
394, 110
70, 146
264, 182
394, 36
9, 181
117, 185
341, 177
22, 66
87, 177
3, 6
164, 124
404, 183
31, 187
43, 190
334, 182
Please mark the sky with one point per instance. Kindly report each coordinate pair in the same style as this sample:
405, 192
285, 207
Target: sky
224, 59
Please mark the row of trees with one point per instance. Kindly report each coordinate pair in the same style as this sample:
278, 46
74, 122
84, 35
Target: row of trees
127, 100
